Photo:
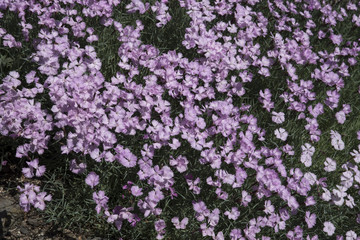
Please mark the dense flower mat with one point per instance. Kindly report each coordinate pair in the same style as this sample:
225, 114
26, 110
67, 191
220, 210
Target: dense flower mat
184, 119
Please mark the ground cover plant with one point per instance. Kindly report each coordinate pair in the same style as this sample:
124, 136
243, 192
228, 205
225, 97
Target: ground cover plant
184, 119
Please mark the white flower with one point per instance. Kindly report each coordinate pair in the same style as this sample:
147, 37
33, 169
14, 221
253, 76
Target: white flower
326, 196
281, 134
306, 159
308, 149
330, 165
329, 228
336, 141
351, 235
350, 201
337, 199
347, 179
338, 195
357, 177
342, 188
340, 117
278, 117
356, 155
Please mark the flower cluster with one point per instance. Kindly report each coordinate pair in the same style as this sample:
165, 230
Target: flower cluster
217, 143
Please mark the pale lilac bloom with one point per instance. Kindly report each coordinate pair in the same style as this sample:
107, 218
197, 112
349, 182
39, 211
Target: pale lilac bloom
281, 134
278, 117
246, 198
288, 149
306, 159
311, 177
356, 154
31, 196
137, 5
193, 185
336, 39
178, 224
136, 191
330, 165
159, 225
40, 200
351, 235
340, 117
269, 208
326, 195
308, 149
201, 210
235, 234
180, 163
338, 195
350, 201
310, 219
315, 237
329, 228
347, 179
336, 140
28, 172
221, 194
310, 201
92, 179
206, 231
77, 169
219, 236
26, 200
160, 228
175, 144
234, 214
101, 200
213, 218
